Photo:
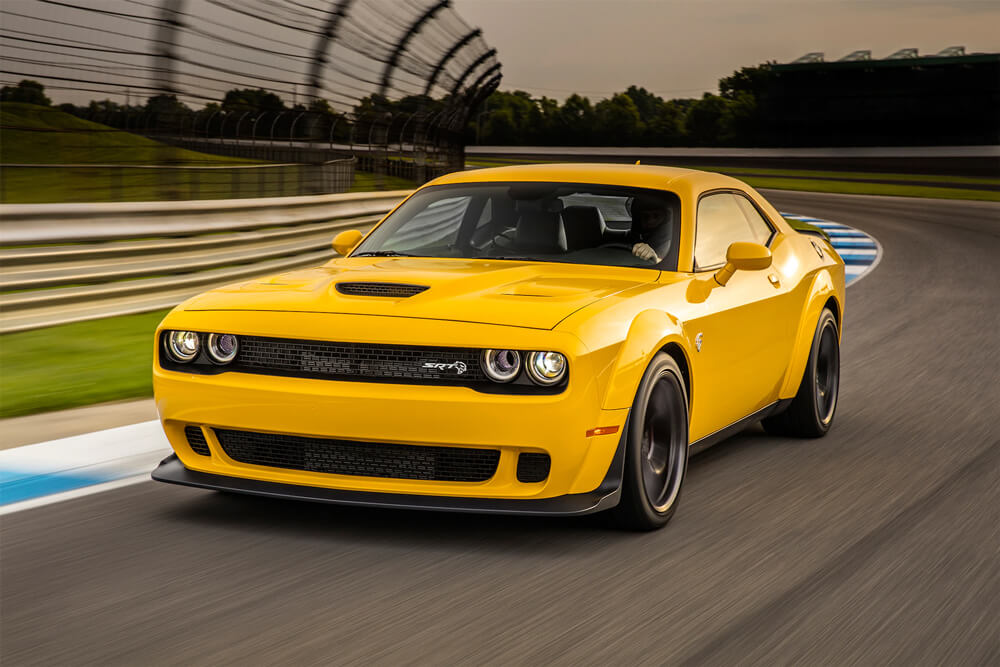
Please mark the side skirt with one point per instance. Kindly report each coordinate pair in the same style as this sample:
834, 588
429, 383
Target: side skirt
737, 426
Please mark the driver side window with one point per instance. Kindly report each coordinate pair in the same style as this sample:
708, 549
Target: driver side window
721, 221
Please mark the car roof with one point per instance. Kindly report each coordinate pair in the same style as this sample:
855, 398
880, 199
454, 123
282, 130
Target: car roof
635, 175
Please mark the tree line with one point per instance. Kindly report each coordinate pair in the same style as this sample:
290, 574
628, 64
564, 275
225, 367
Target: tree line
635, 117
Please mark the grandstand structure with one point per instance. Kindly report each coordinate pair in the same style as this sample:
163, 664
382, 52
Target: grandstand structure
389, 82
904, 99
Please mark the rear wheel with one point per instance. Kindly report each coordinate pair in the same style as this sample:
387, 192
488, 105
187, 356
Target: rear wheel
657, 448
810, 413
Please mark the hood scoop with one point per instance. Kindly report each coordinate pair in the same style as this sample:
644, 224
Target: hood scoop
392, 290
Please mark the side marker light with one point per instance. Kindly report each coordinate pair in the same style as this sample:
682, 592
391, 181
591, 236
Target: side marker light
602, 430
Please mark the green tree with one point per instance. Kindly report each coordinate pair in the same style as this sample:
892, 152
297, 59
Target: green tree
575, 124
28, 91
250, 99
666, 128
618, 121
166, 105
704, 122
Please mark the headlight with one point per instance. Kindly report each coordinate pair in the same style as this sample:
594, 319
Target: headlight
183, 346
501, 365
222, 348
546, 368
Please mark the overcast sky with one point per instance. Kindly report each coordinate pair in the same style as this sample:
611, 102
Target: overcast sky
680, 48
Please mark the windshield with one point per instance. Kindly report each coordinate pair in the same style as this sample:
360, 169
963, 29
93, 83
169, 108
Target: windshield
545, 222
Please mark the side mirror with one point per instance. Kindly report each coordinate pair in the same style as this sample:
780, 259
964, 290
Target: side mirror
743, 256
345, 242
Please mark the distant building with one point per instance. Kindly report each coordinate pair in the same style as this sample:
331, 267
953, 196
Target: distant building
949, 98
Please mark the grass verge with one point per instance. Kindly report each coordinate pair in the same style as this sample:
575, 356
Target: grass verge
77, 364
366, 182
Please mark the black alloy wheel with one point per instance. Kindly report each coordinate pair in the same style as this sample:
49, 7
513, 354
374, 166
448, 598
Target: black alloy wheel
657, 448
827, 373
810, 414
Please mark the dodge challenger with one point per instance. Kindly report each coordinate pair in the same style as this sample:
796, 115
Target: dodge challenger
539, 339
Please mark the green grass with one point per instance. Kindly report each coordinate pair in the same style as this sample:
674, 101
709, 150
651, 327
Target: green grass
366, 182
31, 134
827, 181
854, 188
77, 364
29, 185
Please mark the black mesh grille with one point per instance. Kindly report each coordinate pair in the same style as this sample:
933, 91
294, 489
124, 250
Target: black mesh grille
398, 290
196, 438
453, 365
533, 467
345, 457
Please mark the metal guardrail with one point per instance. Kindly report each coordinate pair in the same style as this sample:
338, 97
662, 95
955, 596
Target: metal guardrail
195, 245
32, 224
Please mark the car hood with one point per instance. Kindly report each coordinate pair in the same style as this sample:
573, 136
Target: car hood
536, 295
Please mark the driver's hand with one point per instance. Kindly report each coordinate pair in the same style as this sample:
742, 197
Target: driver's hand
644, 251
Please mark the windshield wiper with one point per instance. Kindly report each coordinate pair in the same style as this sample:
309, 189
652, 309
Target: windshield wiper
384, 253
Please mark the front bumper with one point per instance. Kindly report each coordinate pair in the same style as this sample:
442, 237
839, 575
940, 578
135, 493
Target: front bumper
604, 497
394, 414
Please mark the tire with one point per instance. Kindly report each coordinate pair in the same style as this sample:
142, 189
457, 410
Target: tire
811, 412
656, 452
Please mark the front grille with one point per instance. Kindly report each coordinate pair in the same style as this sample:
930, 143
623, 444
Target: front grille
533, 467
365, 459
196, 439
347, 361
397, 290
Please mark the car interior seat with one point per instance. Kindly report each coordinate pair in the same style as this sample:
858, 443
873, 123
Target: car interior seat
584, 227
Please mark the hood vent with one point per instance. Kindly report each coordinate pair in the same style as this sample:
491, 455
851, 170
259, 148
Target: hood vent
394, 290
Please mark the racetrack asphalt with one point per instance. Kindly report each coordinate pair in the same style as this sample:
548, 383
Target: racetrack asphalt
879, 544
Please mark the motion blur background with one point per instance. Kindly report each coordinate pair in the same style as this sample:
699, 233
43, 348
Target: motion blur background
153, 149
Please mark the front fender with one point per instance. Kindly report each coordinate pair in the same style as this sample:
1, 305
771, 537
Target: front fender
820, 290
649, 332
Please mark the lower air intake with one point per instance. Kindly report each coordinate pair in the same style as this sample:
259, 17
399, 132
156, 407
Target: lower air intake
196, 439
364, 459
533, 467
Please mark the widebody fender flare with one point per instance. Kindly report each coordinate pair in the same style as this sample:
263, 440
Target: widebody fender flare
650, 331
819, 293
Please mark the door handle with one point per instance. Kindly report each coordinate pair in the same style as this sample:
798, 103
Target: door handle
774, 280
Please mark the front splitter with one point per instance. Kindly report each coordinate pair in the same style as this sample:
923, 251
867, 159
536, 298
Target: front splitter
605, 496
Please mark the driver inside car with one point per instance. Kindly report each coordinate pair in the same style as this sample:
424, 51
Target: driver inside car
649, 235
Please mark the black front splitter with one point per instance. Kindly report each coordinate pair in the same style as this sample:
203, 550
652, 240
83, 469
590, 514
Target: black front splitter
604, 497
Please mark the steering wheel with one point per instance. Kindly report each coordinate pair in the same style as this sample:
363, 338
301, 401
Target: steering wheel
621, 246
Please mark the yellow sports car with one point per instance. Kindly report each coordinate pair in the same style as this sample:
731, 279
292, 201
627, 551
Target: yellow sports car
543, 339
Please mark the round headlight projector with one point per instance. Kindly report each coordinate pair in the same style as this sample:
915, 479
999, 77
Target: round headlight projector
501, 365
222, 348
183, 346
546, 368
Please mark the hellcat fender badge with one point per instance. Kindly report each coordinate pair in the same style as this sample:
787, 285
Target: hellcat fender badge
697, 342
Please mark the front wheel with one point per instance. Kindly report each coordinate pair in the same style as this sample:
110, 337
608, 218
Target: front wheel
656, 450
810, 413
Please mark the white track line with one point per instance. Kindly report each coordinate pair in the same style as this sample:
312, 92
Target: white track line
75, 493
